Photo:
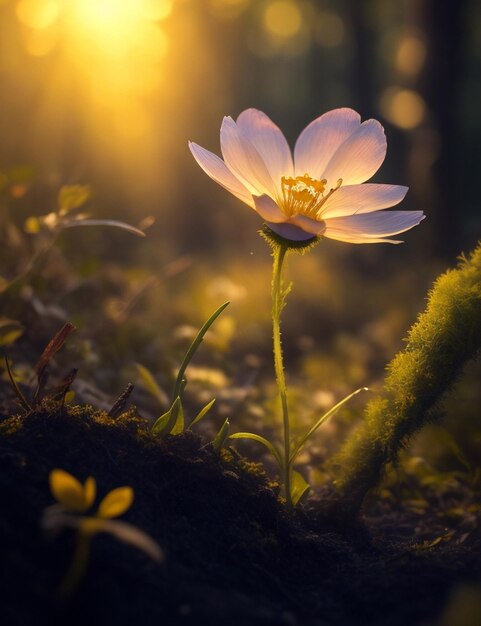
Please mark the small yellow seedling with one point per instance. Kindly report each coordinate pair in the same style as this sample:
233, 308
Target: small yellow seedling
74, 499
70, 493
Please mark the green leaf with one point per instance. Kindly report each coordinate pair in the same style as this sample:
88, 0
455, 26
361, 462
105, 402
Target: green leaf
114, 223
166, 422
179, 425
72, 197
151, 385
202, 413
321, 421
299, 487
221, 435
272, 449
69, 397
180, 382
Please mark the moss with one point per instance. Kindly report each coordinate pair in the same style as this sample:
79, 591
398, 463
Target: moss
11, 425
445, 336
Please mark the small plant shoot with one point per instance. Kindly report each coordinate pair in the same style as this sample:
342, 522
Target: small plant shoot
74, 500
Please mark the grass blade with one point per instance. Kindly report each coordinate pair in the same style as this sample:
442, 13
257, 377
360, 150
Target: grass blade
272, 449
321, 421
221, 435
151, 385
54, 346
202, 413
180, 383
114, 223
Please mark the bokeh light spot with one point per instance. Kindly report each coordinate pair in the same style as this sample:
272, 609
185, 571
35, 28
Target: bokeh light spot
403, 107
410, 55
282, 18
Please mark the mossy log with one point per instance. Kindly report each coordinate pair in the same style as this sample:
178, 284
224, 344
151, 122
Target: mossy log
443, 339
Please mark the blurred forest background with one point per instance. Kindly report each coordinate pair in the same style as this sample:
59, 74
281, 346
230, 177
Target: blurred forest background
108, 92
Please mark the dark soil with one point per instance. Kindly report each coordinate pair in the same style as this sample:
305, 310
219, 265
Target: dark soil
234, 555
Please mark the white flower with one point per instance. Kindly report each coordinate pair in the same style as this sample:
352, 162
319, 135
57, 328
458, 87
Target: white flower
318, 192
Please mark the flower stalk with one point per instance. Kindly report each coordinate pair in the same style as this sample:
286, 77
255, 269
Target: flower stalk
78, 567
279, 252
294, 485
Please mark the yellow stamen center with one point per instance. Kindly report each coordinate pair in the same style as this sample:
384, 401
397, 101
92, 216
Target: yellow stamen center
304, 195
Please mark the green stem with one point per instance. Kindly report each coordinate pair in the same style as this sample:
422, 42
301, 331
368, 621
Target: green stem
78, 567
278, 297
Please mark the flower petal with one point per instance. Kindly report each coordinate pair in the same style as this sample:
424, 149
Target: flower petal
243, 160
215, 167
290, 231
321, 138
268, 209
269, 141
360, 239
356, 199
359, 157
371, 227
315, 227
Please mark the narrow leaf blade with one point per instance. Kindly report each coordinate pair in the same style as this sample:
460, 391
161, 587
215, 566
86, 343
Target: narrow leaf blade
321, 421
203, 412
272, 449
54, 346
151, 385
114, 223
222, 435
178, 386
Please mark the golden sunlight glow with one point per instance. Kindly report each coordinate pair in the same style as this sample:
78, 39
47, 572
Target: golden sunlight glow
39, 42
403, 107
109, 64
37, 13
156, 10
120, 13
282, 18
116, 24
